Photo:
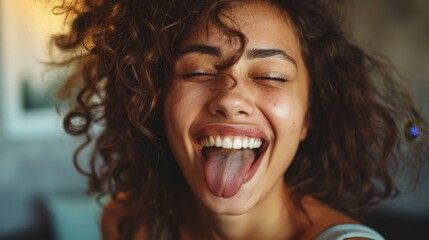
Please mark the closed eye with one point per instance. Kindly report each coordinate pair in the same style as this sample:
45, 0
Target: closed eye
199, 74
272, 77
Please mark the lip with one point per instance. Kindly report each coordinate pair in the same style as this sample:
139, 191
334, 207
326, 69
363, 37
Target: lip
234, 130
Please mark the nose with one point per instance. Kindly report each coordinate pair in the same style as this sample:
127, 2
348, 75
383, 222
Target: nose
231, 103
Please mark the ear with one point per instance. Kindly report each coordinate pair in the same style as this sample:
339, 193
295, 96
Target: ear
305, 126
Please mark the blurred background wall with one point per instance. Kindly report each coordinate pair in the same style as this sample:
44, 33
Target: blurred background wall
399, 30
35, 156
36, 170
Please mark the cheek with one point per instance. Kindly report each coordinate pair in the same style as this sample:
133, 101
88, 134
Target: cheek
181, 108
183, 102
175, 123
180, 111
174, 117
286, 115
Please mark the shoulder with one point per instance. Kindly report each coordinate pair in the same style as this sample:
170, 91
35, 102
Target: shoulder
113, 214
109, 220
328, 223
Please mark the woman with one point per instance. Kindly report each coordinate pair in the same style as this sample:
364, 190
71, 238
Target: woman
231, 119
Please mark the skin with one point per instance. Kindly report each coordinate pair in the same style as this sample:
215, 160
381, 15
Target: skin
275, 108
264, 96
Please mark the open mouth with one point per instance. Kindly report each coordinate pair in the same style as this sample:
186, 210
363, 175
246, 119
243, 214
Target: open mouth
230, 161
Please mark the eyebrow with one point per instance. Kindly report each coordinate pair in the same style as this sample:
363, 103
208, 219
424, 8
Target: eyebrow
250, 54
200, 48
265, 53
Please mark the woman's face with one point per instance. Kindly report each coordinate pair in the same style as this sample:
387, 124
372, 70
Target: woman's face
234, 133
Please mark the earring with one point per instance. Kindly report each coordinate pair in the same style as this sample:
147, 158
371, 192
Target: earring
413, 130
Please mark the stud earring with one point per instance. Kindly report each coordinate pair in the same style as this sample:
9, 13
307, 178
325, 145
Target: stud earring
413, 130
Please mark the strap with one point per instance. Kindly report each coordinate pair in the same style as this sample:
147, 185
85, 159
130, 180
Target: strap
344, 231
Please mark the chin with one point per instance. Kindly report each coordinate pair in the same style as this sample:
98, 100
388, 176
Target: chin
239, 204
229, 207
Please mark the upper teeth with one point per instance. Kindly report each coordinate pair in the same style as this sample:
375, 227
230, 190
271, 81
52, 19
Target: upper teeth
236, 142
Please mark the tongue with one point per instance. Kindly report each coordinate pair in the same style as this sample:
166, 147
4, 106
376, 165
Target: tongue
225, 170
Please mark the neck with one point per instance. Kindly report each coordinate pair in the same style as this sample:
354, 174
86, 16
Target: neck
273, 217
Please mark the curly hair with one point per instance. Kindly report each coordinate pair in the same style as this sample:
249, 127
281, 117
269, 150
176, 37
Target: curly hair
124, 51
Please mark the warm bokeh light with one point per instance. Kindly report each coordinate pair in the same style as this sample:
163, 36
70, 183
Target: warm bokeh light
29, 86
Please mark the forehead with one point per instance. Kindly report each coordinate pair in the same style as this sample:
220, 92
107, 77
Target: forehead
263, 24
247, 14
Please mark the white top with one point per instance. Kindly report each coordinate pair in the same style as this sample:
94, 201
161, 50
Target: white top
344, 231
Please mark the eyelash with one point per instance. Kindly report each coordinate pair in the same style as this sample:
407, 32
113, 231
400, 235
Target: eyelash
207, 74
280, 79
197, 74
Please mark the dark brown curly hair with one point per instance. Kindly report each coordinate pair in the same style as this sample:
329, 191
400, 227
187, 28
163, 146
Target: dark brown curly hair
123, 52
